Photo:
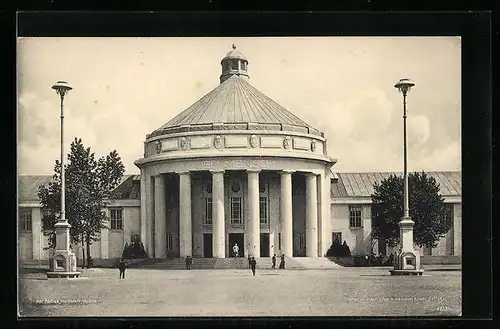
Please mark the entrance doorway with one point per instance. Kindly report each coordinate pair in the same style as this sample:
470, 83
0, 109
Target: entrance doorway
238, 238
264, 245
207, 245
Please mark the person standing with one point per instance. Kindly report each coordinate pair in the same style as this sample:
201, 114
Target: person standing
249, 261
282, 262
274, 262
253, 265
121, 267
236, 249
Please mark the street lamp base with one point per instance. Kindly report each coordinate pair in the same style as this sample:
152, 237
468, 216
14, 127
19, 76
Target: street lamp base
63, 275
406, 272
63, 265
407, 262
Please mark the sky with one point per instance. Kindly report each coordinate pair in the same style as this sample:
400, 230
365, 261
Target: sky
125, 88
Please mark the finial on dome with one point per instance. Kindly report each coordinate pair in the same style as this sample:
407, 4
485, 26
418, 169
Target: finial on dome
234, 47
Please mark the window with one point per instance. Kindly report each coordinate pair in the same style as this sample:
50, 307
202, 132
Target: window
170, 241
448, 214
236, 210
116, 218
25, 221
337, 237
355, 216
208, 211
302, 241
234, 64
243, 66
427, 251
263, 209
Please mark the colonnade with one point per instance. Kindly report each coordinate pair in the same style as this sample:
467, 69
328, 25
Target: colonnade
252, 230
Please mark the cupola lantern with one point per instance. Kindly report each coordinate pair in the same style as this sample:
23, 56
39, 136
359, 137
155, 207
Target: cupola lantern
234, 63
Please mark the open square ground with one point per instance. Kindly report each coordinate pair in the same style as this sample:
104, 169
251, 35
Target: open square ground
151, 292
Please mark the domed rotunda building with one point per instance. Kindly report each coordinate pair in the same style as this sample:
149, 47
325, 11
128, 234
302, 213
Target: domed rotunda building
235, 168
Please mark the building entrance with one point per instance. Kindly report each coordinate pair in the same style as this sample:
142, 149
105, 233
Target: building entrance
264, 245
238, 238
207, 245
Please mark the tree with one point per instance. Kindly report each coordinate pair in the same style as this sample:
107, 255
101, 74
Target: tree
88, 184
426, 210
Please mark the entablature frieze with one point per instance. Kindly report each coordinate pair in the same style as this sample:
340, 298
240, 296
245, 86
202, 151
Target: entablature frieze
251, 164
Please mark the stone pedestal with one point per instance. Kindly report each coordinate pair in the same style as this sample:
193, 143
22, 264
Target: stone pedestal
407, 260
63, 261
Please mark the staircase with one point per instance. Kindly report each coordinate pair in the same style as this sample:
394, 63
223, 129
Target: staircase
180, 264
316, 263
297, 263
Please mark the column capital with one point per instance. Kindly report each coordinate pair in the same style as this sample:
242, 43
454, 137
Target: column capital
187, 172
217, 171
255, 171
287, 171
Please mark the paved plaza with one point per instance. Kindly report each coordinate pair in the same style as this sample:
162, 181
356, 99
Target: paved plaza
151, 292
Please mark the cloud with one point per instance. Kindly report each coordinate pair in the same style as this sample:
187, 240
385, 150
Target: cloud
418, 130
446, 158
342, 86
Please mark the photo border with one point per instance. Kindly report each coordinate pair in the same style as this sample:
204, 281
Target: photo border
475, 31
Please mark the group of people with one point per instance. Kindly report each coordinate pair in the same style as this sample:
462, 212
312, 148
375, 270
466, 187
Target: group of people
252, 263
189, 262
282, 261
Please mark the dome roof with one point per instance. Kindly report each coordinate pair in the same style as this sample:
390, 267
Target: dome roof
234, 54
238, 105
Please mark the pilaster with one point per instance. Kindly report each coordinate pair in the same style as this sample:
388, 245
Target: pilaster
36, 231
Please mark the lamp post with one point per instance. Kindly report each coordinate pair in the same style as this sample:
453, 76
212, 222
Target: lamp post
62, 88
404, 86
408, 259
63, 264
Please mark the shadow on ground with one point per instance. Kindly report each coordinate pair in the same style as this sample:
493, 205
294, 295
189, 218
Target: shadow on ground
29, 270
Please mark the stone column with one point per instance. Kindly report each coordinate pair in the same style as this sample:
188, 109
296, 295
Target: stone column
143, 208
218, 220
253, 213
326, 219
286, 213
160, 217
311, 216
36, 233
185, 223
149, 217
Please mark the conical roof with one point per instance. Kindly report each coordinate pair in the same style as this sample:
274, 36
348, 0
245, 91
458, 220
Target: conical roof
236, 101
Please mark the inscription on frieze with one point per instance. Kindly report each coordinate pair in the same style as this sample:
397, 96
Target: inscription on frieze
237, 164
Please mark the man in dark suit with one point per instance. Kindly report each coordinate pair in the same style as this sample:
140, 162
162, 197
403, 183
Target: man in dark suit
253, 265
121, 267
